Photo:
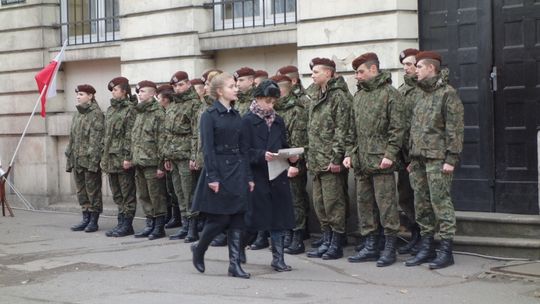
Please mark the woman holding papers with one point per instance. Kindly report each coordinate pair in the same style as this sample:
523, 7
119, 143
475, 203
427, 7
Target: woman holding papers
270, 207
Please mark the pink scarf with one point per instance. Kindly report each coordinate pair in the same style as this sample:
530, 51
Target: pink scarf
268, 115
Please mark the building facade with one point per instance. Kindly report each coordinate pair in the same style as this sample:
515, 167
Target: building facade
151, 39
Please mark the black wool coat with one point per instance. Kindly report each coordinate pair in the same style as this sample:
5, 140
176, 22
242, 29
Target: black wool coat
270, 205
225, 161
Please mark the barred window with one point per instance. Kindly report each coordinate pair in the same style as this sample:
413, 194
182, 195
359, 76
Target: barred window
8, 2
231, 14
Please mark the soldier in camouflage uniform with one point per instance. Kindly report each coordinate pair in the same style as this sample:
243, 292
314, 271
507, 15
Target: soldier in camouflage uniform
165, 96
147, 140
179, 130
259, 76
83, 154
436, 140
295, 115
372, 150
327, 130
409, 90
119, 120
244, 81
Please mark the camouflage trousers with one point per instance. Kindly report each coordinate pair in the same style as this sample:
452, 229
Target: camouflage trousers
406, 195
172, 200
182, 180
329, 201
300, 198
150, 191
345, 175
432, 201
122, 186
377, 203
88, 186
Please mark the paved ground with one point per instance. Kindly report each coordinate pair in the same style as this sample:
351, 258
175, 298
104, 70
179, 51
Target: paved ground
42, 261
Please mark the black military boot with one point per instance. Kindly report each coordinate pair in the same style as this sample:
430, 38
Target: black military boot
193, 233
287, 238
335, 251
445, 257
261, 242
219, 241
425, 254
169, 214
147, 229
370, 252
360, 243
415, 238
174, 222
182, 232
234, 238
297, 244
278, 259
111, 232
199, 248
159, 228
318, 252
126, 228
318, 242
388, 256
85, 220
93, 224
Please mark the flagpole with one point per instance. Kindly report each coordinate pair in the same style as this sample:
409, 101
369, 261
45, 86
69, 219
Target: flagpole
27, 125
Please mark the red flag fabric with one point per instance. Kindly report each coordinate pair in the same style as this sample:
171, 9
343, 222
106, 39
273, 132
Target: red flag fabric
46, 79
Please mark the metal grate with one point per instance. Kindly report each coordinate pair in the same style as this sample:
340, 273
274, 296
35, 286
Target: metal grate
233, 14
8, 2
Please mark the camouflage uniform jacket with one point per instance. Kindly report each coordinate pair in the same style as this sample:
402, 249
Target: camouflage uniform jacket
86, 138
410, 92
328, 127
377, 125
119, 121
147, 135
437, 122
244, 101
293, 111
180, 125
196, 148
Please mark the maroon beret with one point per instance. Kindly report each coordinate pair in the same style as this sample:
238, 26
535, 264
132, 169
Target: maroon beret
196, 81
358, 61
205, 74
261, 73
164, 88
145, 84
281, 78
88, 89
406, 53
428, 55
245, 71
179, 76
287, 70
116, 81
322, 61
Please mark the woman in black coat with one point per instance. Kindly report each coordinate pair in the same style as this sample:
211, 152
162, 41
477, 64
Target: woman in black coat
270, 207
222, 190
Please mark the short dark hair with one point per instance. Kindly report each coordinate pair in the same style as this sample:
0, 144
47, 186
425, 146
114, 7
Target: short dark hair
435, 63
372, 62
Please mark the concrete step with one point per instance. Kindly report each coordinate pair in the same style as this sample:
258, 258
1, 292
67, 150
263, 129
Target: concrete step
525, 248
503, 225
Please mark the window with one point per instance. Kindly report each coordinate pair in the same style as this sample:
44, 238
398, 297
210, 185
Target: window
89, 21
230, 14
8, 2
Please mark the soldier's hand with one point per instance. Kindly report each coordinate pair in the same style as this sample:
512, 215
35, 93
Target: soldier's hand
268, 156
193, 165
127, 165
386, 163
251, 186
347, 162
334, 168
214, 186
447, 168
160, 174
409, 168
168, 165
293, 171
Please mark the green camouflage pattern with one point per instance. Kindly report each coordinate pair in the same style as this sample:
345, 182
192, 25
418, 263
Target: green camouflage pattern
244, 101
85, 145
437, 124
432, 200
88, 186
196, 147
151, 191
182, 180
123, 191
147, 135
119, 120
329, 201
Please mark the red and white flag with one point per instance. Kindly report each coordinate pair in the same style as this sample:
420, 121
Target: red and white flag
46, 78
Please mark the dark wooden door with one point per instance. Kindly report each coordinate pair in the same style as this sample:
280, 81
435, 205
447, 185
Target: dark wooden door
461, 32
517, 100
